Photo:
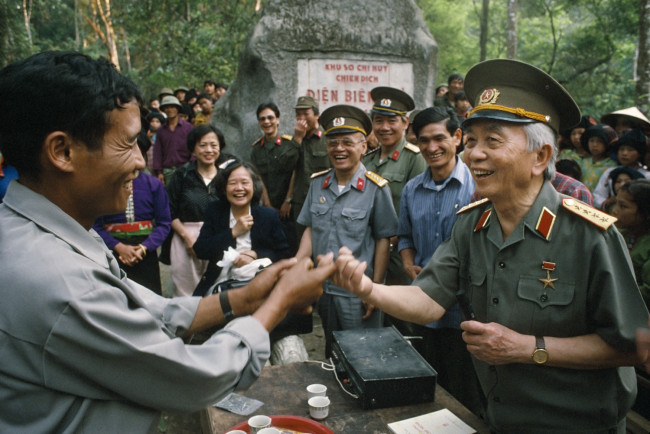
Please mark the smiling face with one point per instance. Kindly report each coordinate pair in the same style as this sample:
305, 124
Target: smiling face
239, 188
438, 148
308, 115
268, 122
345, 152
389, 130
104, 177
502, 167
207, 149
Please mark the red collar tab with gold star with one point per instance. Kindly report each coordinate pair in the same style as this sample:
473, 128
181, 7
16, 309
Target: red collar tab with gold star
319, 133
395, 155
278, 141
545, 223
326, 182
360, 183
548, 267
482, 222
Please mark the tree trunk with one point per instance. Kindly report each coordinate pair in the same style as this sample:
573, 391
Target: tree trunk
108, 36
512, 30
27, 14
485, 13
642, 90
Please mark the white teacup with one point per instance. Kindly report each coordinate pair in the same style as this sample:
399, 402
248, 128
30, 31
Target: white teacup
316, 390
237, 431
270, 430
258, 423
319, 407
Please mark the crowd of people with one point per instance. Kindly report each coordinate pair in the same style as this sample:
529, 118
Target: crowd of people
501, 191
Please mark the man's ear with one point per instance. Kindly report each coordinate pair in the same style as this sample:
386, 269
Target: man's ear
543, 157
58, 150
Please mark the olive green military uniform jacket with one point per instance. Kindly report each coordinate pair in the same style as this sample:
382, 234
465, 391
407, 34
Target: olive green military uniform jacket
312, 158
404, 163
275, 161
557, 274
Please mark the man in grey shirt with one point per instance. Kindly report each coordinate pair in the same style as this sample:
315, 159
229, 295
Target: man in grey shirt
85, 349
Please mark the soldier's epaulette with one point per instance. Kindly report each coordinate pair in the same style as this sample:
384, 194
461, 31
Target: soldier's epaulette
376, 178
257, 141
317, 174
592, 215
472, 205
287, 136
372, 151
411, 147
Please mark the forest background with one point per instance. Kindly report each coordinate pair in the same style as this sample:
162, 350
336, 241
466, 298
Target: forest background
598, 49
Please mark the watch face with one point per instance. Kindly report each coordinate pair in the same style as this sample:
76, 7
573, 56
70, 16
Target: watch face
540, 356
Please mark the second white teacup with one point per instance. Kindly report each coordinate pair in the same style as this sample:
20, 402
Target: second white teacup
316, 390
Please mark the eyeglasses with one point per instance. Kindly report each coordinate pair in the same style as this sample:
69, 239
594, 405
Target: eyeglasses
264, 118
346, 143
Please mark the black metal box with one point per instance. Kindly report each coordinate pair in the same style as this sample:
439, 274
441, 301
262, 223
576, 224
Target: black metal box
383, 369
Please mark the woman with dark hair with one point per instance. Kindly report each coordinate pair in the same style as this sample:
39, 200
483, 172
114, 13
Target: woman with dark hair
633, 212
237, 220
191, 189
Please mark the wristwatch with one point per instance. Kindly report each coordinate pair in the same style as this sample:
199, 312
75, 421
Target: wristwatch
540, 355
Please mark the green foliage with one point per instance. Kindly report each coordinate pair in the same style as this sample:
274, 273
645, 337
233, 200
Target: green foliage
587, 45
13, 36
174, 43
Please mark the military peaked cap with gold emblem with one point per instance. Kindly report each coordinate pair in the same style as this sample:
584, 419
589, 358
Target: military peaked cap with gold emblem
513, 91
390, 101
342, 119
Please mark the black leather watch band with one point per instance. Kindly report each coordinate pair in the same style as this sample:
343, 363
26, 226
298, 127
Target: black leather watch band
228, 314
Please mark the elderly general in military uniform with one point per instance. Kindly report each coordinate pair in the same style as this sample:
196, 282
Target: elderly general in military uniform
549, 278
348, 206
395, 159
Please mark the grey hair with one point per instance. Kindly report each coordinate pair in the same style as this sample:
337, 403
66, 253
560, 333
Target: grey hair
537, 135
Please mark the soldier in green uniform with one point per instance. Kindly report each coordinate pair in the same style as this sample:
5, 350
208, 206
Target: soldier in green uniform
275, 158
553, 292
396, 160
309, 142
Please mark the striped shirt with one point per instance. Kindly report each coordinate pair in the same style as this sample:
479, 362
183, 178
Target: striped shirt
427, 215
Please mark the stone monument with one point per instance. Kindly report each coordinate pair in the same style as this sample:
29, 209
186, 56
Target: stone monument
336, 51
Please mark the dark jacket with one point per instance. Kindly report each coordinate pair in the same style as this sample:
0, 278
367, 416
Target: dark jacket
267, 238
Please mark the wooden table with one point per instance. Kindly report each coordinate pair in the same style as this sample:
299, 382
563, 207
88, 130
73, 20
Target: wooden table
282, 389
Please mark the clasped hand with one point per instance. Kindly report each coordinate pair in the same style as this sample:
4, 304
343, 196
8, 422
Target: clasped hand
495, 344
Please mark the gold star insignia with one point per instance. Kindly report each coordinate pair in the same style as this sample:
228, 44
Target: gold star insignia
548, 281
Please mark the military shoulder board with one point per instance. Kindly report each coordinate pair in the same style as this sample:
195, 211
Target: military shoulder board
376, 178
412, 148
317, 174
287, 136
472, 205
596, 217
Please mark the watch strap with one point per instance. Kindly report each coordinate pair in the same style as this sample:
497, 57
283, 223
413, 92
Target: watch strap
539, 343
228, 313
